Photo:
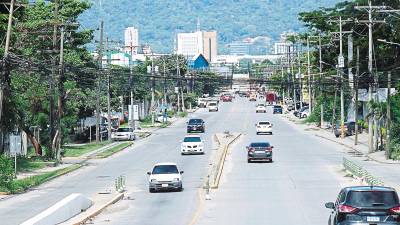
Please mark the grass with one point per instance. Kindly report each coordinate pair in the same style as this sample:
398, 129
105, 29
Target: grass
31, 164
113, 150
75, 151
21, 185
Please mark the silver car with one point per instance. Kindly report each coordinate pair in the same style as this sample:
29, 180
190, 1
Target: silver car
123, 134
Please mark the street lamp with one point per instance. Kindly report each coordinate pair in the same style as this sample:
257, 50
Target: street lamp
388, 42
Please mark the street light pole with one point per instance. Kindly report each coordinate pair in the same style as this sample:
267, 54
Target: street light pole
309, 76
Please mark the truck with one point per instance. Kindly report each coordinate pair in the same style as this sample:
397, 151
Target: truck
270, 98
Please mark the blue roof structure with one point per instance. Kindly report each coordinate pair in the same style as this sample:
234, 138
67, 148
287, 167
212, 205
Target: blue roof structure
198, 62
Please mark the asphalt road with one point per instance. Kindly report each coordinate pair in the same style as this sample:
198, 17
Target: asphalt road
99, 175
291, 190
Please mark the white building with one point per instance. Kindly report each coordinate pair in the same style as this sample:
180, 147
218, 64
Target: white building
199, 42
131, 40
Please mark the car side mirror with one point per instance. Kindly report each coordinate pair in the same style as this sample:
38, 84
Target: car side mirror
329, 205
272, 146
181, 172
187, 122
272, 125
148, 173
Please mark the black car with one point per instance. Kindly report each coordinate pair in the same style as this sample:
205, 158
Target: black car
277, 109
196, 125
349, 129
365, 205
260, 151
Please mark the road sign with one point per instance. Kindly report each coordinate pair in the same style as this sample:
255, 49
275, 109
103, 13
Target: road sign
15, 145
341, 61
135, 112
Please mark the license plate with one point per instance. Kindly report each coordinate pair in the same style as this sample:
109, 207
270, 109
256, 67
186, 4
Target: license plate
260, 152
194, 128
164, 185
373, 219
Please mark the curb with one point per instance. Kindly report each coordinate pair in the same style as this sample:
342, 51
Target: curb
363, 154
98, 211
345, 145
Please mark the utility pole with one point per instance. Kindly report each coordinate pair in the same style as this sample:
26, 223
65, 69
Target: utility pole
372, 87
4, 77
300, 80
309, 76
131, 119
320, 77
178, 82
165, 84
340, 67
60, 96
388, 115
108, 96
51, 82
356, 95
100, 62
152, 91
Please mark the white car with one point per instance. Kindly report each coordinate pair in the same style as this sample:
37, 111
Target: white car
165, 176
261, 108
123, 134
212, 106
192, 144
264, 127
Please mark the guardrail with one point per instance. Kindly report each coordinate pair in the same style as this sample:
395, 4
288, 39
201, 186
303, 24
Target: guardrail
120, 183
361, 173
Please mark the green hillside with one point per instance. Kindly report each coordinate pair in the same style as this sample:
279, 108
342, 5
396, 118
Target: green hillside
159, 20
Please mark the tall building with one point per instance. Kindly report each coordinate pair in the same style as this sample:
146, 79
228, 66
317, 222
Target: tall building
131, 40
199, 42
239, 48
210, 45
284, 46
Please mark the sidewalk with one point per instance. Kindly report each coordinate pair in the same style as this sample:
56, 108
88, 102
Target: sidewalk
376, 164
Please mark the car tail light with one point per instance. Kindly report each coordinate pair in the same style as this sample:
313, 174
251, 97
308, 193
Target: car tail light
395, 210
347, 209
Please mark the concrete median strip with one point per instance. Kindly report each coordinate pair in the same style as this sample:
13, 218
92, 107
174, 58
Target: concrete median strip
217, 168
63, 210
90, 214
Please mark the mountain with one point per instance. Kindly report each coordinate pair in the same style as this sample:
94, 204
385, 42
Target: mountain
159, 20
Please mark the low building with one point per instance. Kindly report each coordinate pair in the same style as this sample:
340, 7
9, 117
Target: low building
198, 62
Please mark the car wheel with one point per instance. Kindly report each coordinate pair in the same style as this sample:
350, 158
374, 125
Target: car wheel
257, 133
248, 160
151, 190
180, 188
337, 135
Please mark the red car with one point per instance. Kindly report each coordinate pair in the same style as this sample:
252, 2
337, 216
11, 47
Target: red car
226, 98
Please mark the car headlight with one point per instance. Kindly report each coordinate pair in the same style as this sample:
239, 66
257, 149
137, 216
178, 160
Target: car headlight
176, 179
153, 180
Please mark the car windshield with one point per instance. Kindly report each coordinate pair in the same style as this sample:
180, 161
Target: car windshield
165, 169
264, 123
372, 198
212, 104
192, 139
277, 107
261, 105
124, 130
195, 121
260, 145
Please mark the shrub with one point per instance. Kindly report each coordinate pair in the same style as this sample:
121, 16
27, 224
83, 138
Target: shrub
6, 173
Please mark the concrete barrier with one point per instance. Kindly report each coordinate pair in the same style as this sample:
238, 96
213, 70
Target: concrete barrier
63, 210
